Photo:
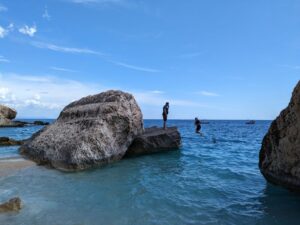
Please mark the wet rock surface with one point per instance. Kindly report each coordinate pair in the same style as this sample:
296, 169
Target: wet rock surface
6, 141
13, 205
155, 140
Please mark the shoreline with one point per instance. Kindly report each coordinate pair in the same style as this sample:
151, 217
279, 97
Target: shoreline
12, 165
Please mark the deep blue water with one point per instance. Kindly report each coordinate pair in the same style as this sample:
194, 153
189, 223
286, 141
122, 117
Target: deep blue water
202, 183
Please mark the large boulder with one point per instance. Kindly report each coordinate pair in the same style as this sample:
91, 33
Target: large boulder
279, 159
7, 113
155, 140
92, 131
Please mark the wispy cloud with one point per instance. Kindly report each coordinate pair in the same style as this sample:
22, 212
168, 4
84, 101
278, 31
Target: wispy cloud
5, 31
64, 49
138, 68
30, 78
157, 92
73, 50
207, 93
27, 30
63, 69
3, 59
27, 93
3, 8
46, 15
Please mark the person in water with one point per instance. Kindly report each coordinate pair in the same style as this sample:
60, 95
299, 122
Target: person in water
165, 114
198, 125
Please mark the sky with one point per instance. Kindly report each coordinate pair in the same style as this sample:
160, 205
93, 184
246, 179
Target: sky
213, 59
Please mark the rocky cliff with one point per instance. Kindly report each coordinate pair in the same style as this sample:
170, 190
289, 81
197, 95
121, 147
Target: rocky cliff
279, 159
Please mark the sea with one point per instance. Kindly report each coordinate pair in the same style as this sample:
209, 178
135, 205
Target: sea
212, 179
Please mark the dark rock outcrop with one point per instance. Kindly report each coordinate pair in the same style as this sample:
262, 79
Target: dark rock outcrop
40, 123
155, 140
12, 205
93, 131
279, 159
5, 141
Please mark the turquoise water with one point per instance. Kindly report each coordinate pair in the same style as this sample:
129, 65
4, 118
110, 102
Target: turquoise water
203, 183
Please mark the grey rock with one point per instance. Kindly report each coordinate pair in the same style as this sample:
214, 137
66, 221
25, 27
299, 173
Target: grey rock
12, 205
155, 140
93, 131
7, 113
279, 159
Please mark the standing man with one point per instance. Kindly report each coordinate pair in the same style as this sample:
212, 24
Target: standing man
197, 125
165, 114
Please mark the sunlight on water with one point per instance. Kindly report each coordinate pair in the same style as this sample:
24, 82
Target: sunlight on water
203, 183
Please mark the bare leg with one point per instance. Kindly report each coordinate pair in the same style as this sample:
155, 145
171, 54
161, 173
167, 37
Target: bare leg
165, 125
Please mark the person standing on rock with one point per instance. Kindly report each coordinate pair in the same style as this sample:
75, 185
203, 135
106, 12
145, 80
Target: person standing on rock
197, 125
165, 114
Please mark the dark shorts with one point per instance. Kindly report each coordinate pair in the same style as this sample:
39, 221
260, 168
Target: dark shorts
165, 117
198, 128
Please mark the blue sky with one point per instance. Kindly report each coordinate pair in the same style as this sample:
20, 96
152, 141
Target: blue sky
213, 59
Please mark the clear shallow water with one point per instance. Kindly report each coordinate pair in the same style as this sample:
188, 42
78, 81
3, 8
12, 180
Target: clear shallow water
203, 183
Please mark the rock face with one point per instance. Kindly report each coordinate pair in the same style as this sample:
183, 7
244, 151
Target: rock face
92, 131
155, 140
8, 113
279, 159
12, 205
5, 141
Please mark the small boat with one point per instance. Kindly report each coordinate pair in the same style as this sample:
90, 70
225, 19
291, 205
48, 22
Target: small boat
251, 122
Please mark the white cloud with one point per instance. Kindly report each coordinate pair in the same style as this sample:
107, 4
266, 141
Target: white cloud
46, 15
64, 49
157, 92
3, 32
207, 93
45, 96
41, 96
63, 69
30, 31
138, 68
3, 8
3, 59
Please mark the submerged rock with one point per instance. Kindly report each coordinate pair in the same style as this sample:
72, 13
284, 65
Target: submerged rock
279, 159
93, 131
155, 140
5, 141
12, 205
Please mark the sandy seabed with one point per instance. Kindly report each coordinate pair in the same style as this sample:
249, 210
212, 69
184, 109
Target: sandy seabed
12, 165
